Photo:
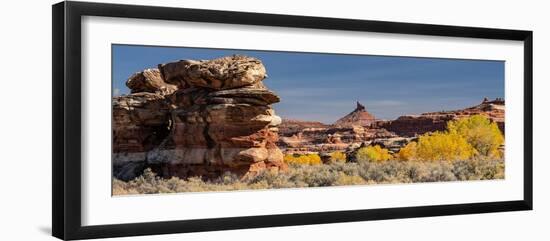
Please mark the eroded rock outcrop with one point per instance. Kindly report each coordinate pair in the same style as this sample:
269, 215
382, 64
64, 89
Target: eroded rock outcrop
332, 138
361, 128
412, 125
218, 118
358, 117
314, 137
223, 73
149, 80
136, 128
290, 127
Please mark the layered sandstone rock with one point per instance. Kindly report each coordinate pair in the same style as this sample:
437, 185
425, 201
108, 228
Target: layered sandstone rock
136, 127
290, 127
413, 125
149, 80
218, 119
361, 128
330, 139
223, 73
358, 117
314, 137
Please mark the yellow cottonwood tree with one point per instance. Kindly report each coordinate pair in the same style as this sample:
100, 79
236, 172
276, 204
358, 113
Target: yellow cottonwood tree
306, 159
408, 152
373, 153
474, 136
443, 146
481, 133
338, 156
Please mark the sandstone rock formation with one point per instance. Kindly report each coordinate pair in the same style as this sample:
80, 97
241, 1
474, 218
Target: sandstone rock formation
197, 118
332, 138
149, 80
360, 128
314, 137
358, 117
223, 73
290, 127
412, 125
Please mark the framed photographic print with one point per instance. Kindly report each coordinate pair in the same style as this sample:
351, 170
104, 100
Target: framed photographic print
170, 120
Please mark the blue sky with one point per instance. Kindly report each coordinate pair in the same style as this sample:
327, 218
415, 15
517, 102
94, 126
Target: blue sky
324, 87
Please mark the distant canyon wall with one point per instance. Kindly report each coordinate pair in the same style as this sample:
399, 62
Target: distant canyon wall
412, 125
360, 127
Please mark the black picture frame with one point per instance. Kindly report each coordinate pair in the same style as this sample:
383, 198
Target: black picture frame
66, 184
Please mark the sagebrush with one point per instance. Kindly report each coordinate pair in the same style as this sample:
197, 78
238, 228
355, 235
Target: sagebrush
323, 175
469, 149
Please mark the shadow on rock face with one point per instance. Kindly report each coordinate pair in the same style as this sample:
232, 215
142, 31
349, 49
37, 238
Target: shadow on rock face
196, 118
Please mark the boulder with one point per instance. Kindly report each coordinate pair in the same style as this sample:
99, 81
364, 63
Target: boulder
149, 80
222, 73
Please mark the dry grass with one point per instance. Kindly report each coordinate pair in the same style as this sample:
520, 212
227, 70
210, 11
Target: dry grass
334, 174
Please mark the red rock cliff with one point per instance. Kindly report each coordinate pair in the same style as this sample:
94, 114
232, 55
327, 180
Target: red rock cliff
197, 118
358, 117
412, 125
